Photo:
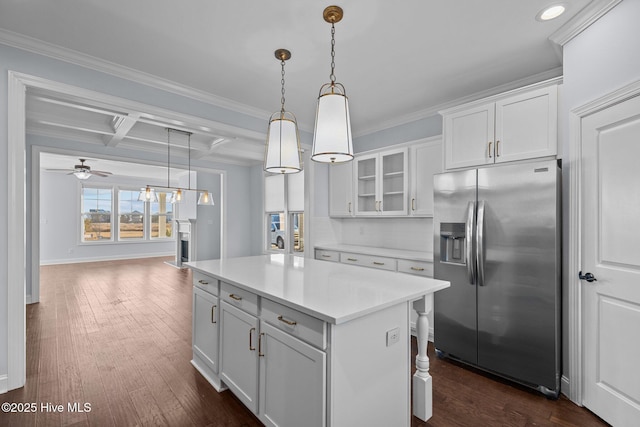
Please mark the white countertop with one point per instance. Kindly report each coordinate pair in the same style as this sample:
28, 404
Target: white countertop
376, 251
333, 292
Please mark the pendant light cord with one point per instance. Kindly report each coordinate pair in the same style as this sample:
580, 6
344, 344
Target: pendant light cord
282, 83
332, 76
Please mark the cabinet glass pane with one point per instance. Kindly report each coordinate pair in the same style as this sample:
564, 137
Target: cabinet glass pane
367, 185
393, 190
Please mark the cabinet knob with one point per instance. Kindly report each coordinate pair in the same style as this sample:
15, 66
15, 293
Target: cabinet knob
260, 353
213, 314
489, 151
235, 297
202, 282
352, 259
413, 204
251, 347
378, 263
497, 148
417, 268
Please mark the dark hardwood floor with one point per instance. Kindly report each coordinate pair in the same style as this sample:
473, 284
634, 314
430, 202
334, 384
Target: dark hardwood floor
117, 336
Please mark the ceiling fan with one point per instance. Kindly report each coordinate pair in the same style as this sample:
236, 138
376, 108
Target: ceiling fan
83, 171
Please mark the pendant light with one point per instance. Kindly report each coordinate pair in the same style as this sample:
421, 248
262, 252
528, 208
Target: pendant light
332, 134
282, 150
148, 193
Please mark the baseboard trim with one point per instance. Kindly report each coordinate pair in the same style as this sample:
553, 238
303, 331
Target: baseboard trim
28, 299
103, 258
565, 388
4, 383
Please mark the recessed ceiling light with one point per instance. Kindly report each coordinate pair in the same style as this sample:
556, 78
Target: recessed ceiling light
550, 12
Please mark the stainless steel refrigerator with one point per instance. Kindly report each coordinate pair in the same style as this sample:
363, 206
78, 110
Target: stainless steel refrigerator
497, 239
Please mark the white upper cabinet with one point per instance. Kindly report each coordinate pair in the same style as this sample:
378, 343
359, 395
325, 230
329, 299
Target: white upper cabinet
520, 125
341, 189
425, 160
381, 181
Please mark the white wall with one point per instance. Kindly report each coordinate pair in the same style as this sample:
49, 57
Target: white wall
601, 59
60, 224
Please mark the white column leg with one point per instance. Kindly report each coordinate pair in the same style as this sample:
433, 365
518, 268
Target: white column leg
422, 389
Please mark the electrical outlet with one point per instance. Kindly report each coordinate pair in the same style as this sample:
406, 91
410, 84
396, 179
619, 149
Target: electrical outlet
393, 336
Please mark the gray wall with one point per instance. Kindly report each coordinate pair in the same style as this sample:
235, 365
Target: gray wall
601, 59
239, 202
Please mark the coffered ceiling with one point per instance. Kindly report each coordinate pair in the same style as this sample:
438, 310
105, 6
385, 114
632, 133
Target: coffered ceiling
399, 61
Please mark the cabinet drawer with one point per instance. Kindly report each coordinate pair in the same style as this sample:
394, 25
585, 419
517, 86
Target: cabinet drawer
327, 255
383, 263
240, 298
420, 268
294, 322
204, 282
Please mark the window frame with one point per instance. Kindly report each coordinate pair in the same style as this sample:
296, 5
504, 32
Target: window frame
287, 215
83, 213
145, 221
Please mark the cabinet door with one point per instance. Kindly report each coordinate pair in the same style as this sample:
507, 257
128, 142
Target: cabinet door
341, 189
238, 356
394, 180
469, 137
526, 125
366, 185
292, 380
206, 311
426, 160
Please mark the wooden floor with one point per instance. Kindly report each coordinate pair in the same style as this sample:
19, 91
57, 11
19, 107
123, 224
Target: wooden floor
117, 336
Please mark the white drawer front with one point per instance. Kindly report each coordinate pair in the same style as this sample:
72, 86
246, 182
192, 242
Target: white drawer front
204, 282
420, 268
383, 263
296, 323
240, 298
327, 255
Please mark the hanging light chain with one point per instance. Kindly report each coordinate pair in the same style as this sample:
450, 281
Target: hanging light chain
332, 76
282, 83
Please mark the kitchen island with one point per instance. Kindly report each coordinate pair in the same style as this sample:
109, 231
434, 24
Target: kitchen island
305, 342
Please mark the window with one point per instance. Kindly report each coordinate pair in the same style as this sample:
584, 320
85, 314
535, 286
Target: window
162, 217
130, 215
96, 214
136, 221
284, 212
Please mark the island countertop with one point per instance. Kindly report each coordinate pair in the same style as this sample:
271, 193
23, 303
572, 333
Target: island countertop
335, 293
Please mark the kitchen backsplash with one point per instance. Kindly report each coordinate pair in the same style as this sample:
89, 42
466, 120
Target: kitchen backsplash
414, 234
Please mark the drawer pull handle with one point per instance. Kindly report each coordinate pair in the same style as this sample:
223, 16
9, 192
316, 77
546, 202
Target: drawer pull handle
378, 263
202, 282
251, 347
326, 256
235, 297
260, 353
288, 322
213, 314
417, 268
352, 259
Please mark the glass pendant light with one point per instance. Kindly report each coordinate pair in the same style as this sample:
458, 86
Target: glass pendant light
82, 174
176, 196
205, 199
282, 151
332, 134
147, 194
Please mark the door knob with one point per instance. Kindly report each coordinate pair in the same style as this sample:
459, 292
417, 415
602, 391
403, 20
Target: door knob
587, 276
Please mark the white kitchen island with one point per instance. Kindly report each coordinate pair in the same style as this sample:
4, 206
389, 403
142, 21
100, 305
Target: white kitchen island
302, 342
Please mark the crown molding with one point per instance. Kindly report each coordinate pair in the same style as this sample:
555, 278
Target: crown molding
50, 50
432, 111
582, 20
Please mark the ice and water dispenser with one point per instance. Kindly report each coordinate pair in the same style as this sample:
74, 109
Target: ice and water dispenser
453, 243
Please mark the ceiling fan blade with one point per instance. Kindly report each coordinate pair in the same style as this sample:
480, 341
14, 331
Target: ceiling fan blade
59, 170
102, 172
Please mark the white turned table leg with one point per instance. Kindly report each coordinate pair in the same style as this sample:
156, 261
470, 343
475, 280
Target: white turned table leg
422, 389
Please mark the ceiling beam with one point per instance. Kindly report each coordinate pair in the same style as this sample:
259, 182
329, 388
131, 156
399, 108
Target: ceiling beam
121, 125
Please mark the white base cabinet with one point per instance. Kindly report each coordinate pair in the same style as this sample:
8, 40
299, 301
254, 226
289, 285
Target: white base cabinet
239, 358
292, 380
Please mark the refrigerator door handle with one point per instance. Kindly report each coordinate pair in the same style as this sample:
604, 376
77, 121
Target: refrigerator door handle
471, 214
480, 243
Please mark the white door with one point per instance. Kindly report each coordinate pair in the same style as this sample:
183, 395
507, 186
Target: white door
611, 253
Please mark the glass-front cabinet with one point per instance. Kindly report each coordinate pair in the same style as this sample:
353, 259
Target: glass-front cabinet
381, 183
